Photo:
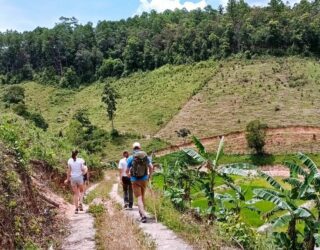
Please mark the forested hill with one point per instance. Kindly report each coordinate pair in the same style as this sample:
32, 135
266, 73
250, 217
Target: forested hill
70, 53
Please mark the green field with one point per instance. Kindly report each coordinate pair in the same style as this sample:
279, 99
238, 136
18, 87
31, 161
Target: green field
147, 100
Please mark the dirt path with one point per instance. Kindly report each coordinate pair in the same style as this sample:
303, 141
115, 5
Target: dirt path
278, 140
81, 226
163, 237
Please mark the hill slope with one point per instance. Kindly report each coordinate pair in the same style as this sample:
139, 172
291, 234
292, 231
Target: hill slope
278, 91
148, 100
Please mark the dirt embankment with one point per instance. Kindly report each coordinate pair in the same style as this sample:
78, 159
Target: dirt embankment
28, 217
278, 140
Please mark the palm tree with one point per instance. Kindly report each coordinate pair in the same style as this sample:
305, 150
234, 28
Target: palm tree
213, 170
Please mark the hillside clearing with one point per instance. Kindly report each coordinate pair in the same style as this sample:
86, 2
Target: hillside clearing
278, 91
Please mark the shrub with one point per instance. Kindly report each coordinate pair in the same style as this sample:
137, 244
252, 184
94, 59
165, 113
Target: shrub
70, 79
21, 109
111, 67
255, 135
14, 94
39, 121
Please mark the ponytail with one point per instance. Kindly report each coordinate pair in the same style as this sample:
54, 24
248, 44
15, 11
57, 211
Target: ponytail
74, 154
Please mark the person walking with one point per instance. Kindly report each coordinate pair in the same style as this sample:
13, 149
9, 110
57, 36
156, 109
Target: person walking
125, 181
139, 169
75, 176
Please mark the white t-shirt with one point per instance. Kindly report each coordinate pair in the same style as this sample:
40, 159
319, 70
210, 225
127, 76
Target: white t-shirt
123, 166
76, 167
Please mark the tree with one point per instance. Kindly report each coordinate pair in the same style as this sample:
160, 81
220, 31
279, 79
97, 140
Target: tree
111, 67
69, 79
14, 95
183, 133
287, 200
109, 98
213, 170
255, 135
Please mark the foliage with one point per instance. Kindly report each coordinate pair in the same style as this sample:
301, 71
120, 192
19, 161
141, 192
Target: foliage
14, 95
96, 209
69, 79
109, 98
39, 121
255, 135
81, 133
154, 39
111, 67
178, 179
306, 189
183, 132
213, 170
239, 233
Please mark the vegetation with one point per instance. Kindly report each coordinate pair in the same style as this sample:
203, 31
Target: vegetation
71, 53
109, 97
255, 135
244, 90
283, 202
14, 94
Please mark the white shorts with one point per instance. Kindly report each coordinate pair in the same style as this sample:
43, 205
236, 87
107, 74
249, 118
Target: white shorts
77, 180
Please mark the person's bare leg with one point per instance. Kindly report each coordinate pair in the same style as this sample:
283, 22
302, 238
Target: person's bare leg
75, 196
141, 206
81, 193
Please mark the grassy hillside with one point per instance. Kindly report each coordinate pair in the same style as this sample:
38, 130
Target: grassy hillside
148, 100
278, 91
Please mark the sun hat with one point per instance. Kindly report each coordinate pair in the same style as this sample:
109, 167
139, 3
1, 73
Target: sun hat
136, 145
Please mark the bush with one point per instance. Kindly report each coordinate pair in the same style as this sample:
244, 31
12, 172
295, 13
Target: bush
14, 95
39, 121
21, 109
69, 79
111, 67
255, 135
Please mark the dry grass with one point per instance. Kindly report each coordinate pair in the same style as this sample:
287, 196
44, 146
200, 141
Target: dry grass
278, 91
114, 229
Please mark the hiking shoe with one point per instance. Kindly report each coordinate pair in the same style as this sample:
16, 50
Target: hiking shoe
144, 219
125, 206
81, 207
76, 211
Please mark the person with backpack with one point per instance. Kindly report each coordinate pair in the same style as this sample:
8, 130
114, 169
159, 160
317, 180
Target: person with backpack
75, 176
125, 181
139, 168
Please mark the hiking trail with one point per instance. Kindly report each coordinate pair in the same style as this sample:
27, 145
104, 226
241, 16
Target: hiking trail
83, 239
163, 237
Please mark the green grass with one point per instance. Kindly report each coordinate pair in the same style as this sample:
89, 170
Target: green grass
147, 100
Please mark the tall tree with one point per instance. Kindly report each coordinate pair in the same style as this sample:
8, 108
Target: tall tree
109, 97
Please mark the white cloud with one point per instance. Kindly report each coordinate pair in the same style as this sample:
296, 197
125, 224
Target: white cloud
162, 5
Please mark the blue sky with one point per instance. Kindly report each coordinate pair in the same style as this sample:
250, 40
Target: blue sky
28, 14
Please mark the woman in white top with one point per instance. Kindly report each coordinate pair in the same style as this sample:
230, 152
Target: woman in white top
75, 176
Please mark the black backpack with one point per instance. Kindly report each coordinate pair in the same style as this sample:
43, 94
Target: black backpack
140, 164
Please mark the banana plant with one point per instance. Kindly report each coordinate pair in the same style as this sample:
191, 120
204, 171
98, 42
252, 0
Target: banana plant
286, 200
305, 180
233, 204
212, 170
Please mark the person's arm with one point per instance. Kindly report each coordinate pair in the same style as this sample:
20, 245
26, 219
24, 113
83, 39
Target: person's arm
129, 165
68, 175
150, 170
120, 166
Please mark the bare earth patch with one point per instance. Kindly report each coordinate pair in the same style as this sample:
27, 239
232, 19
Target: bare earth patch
278, 140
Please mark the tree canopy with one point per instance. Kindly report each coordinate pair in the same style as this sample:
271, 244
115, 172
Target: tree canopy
71, 53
